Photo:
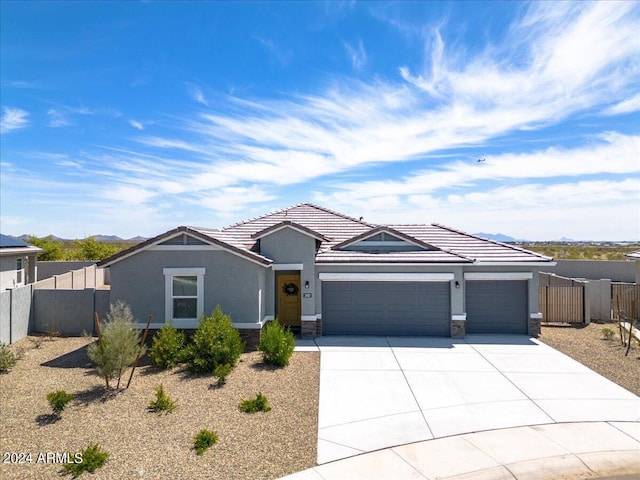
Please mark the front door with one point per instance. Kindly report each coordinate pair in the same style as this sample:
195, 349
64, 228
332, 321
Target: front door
289, 300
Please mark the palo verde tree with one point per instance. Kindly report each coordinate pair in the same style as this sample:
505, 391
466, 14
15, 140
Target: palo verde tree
119, 344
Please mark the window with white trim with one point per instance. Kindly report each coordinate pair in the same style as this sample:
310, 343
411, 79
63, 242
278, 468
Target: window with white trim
184, 293
19, 271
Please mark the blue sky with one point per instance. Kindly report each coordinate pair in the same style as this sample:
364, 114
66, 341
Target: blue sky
132, 118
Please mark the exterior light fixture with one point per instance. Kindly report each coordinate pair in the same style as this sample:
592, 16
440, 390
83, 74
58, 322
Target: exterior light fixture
306, 284
457, 284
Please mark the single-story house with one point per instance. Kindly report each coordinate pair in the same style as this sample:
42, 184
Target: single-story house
636, 257
330, 274
18, 262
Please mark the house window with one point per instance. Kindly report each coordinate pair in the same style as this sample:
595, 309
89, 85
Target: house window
184, 293
19, 271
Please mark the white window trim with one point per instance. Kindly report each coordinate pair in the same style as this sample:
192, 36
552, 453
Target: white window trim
169, 273
386, 277
498, 276
287, 266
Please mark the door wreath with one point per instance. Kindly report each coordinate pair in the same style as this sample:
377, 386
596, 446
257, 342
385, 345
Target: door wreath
290, 289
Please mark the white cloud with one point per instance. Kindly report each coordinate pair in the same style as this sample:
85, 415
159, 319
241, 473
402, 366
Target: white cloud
356, 54
137, 125
282, 55
13, 119
626, 106
58, 118
196, 94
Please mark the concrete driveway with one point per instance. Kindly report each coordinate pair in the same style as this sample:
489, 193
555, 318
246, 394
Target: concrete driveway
381, 392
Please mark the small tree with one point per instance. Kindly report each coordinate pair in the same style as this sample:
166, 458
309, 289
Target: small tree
163, 402
276, 344
7, 358
52, 249
58, 400
167, 349
119, 344
91, 249
215, 342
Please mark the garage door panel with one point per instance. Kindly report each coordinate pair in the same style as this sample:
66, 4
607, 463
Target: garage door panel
385, 308
497, 306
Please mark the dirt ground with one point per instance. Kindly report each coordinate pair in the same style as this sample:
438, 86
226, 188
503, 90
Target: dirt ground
145, 445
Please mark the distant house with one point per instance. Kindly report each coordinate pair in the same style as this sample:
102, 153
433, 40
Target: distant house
328, 273
18, 262
635, 256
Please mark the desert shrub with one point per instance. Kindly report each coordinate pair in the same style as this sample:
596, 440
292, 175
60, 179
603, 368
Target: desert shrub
253, 405
215, 342
163, 402
203, 440
7, 358
92, 459
119, 346
608, 333
36, 341
221, 372
167, 349
58, 400
276, 344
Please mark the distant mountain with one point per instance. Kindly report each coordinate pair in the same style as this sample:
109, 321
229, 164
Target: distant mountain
498, 237
25, 238
100, 238
107, 238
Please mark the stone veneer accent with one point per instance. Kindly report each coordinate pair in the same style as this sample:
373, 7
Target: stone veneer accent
318, 327
534, 327
251, 336
457, 328
308, 329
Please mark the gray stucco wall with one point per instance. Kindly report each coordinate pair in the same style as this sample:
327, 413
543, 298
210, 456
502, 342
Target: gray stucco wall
21, 312
5, 316
229, 280
16, 313
8, 275
70, 312
616, 270
291, 246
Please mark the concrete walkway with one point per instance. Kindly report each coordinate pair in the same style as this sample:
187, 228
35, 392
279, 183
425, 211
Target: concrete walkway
546, 452
377, 393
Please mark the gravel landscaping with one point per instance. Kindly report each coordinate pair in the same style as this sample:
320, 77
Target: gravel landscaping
145, 445
586, 344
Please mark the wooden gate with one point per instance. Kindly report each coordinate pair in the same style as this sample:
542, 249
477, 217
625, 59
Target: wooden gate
625, 298
562, 304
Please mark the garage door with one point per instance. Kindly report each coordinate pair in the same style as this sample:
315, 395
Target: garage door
496, 306
385, 308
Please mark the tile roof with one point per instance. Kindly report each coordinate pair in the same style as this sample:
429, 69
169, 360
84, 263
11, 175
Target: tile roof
442, 244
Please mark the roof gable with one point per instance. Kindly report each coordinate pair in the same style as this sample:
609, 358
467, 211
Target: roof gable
292, 225
180, 238
384, 239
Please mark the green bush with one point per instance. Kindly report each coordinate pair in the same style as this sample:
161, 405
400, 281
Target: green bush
92, 459
203, 440
119, 346
167, 349
7, 358
163, 402
215, 342
253, 405
276, 344
58, 400
221, 372
608, 333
